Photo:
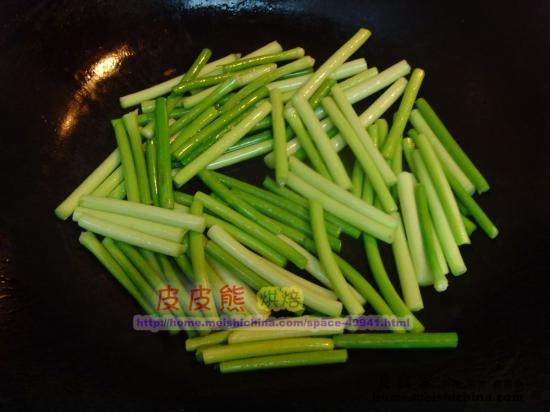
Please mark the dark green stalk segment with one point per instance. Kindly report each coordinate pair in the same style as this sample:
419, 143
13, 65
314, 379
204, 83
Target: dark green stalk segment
266, 78
196, 248
253, 228
271, 185
298, 73
195, 68
90, 242
471, 205
133, 274
321, 92
252, 140
224, 88
468, 224
206, 136
183, 198
287, 205
392, 341
365, 289
285, 361
284, 217
238, 269
240, 205
357, 177
452, 146
203, 82
265, 59
127, 160
249, 241
132, 127
429, 238
265, 123
384, 284
151, 160
194, 127
164, 163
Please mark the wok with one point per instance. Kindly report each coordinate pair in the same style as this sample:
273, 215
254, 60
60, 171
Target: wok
67, 340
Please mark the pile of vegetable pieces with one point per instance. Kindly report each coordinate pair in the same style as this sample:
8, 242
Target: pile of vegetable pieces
411, 189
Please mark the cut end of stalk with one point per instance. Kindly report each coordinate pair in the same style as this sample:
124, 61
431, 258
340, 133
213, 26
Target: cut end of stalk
441, 285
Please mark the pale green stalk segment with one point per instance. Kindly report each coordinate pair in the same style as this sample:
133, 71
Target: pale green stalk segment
164, 165
363, 156
249, 297
443, 189
322, 141
382, 80
214, 338
227, 140
447, 162
128, 235
452, 146
140, 211
279, 137
330, 189
333, 62
221, 353
430, 241
306, 143
271, 272
359, 129
332, 270
126, 158
269, 48
255, 335
163, 231
405, 269
349, 69
166, 87
407, 202
402, 116
383, 102
442, 227
152, 172
340, 210
358, 78
90, 242
110, 183
131, 123
285, 361
449, 165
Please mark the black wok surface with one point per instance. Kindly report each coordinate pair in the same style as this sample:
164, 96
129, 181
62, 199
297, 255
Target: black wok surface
65, 331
